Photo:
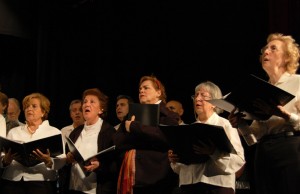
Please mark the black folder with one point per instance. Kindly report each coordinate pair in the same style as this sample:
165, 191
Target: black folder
248, 91
85, 161
146, 114
24, 149
181, 139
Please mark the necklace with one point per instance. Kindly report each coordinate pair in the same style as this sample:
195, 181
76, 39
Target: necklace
30, 130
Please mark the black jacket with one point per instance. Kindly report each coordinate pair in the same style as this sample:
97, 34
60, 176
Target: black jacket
152, 165
107, 173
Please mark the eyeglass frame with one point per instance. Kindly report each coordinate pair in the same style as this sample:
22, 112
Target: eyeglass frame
272, 48
204, 97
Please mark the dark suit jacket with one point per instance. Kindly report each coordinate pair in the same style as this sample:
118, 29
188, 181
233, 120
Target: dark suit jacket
107, 173
152, 165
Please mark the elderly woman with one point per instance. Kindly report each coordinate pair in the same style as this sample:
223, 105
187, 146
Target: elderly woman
218, 173
145, 168
90, 138
277, 158
40, 178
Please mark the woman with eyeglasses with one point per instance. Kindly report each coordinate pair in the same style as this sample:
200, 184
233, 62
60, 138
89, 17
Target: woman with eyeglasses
277, 157
218, 173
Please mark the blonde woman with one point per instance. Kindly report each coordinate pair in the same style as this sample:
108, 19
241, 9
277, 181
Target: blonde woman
277, 158
40, 178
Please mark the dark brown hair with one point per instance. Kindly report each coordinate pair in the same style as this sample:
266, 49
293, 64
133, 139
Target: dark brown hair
102, 98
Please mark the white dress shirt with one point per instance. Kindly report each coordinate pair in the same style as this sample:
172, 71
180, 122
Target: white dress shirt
117, 126
2, 126
275, 124
65, 131
220, 169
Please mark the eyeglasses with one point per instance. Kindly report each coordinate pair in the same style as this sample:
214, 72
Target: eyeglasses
272, 48
203, 96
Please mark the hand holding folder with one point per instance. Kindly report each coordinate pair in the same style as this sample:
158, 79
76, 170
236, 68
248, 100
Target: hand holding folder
23, 151
85, 161
254, 97
183, 139
146, 114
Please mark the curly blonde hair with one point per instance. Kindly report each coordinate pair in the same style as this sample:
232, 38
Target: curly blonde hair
291, 50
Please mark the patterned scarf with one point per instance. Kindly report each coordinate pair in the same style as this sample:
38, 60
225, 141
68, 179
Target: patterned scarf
127, 173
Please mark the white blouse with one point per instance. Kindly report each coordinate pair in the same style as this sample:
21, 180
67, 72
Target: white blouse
15, 171
2, 126
275, 124
220, 169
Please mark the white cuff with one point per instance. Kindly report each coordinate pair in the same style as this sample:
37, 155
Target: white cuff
293, 119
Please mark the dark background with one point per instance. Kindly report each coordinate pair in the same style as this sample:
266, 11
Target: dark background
62, 47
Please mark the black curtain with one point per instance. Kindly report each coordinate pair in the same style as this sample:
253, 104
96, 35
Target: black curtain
87, 43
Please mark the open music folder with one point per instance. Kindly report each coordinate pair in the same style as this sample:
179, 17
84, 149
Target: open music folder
251, 89
181, 139
85, 161
24, 149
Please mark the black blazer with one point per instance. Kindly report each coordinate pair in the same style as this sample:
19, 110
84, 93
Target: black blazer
107, 173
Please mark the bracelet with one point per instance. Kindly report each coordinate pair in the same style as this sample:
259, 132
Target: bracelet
293, 119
